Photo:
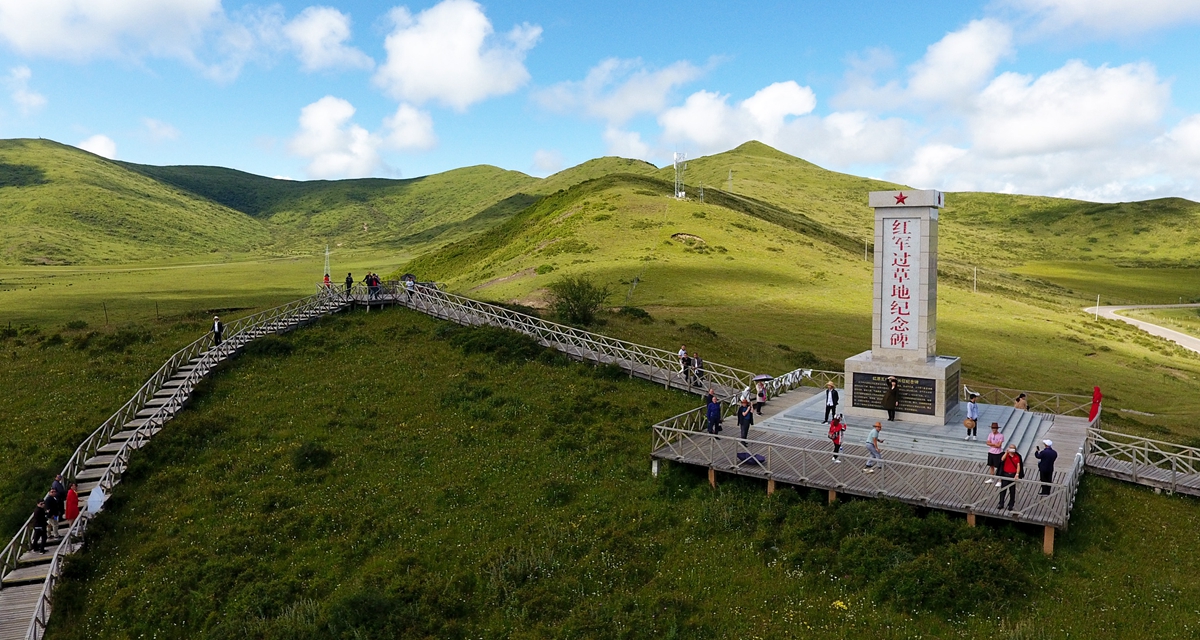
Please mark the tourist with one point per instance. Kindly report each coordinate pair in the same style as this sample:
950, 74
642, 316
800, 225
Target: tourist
54, 508
831, 401
760, 397
217, 329
873, 442
58, 485
995, 443
349, 282
891, 399
972, 421
72, 506
697, 370
684, 361
1046, 458
38, 544
714, 412
1010, 467
327, 282
408, 288
745, 418
836, 429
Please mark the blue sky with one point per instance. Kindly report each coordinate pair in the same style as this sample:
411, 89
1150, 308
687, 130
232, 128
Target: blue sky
1097, 99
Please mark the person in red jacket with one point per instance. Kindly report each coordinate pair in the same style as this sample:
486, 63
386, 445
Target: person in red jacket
72, 508
836, 429
1010, 467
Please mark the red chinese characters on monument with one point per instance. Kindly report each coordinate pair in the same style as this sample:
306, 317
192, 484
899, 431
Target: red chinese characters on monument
901, 269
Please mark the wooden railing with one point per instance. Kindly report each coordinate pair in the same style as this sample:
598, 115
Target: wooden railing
657, 365
1154, 462
684, 435
804, 378
1062, 404
237, 333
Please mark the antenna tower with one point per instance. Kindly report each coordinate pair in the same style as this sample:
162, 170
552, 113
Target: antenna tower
680, 165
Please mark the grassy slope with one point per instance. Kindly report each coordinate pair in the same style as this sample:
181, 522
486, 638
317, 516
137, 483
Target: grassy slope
62, 205
396, 212
485, 508
757, 285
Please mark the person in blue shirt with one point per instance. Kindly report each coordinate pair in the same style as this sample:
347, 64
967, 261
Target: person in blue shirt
873, 442
1046, 457
714, 412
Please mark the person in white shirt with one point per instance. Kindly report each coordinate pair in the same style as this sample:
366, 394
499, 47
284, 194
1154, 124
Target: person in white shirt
831, 401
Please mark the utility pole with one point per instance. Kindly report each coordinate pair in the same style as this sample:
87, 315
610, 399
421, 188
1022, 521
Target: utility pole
1097, 307
864, 250
701, 193
975, 284
730, 189
680, 166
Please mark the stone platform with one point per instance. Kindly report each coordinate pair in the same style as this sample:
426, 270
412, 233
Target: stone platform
804, 419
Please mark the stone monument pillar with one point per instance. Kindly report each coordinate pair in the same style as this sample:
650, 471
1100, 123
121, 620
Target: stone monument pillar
904, 319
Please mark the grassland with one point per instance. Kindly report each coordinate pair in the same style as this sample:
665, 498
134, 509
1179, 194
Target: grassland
312, 492
1182, 320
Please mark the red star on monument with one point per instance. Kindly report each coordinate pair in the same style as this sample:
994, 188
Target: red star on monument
901, 198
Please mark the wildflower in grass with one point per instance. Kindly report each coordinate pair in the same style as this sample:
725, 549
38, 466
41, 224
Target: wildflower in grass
839, 605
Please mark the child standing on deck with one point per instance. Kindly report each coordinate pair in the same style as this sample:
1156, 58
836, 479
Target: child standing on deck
836, 429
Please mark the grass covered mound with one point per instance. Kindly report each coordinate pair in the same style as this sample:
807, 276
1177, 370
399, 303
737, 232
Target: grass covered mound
388, 475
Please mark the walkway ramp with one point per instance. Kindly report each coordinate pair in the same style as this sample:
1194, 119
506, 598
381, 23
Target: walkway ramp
1164, 466
27, 578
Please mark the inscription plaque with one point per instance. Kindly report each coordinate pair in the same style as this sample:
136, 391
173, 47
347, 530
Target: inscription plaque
917, 395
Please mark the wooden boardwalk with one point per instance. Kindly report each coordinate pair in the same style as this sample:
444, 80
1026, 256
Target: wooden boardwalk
27, 578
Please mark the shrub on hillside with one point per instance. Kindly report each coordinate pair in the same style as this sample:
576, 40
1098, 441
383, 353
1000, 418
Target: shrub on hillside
577, 299
635, 313
310, 456
269, 346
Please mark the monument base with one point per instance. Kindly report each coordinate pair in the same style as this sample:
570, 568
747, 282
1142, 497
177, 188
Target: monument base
928, 389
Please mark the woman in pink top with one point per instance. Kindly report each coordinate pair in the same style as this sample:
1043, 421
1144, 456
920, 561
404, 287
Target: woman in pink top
995, 443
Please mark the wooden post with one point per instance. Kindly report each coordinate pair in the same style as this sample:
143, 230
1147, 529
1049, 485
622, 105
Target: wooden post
832, 496
970, 518
712, 477
654, 467
770, 486
1048, 541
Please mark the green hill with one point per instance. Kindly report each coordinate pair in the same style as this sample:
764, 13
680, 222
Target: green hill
60, 205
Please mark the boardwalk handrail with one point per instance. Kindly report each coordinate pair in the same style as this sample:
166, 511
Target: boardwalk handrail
795, 379
574, 342
21, 543
892, 478
1145, 454
1063, 404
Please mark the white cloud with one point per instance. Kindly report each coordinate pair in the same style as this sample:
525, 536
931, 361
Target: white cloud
1074, 107
1108, 17
198, 32
319, 35
707, 121
159, 131
949, 75
409, 129
627, 144
337, 147
547, 161
448, 54
26, 99
617, 90
100, 145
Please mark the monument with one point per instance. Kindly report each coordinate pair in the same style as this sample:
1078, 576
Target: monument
904, 320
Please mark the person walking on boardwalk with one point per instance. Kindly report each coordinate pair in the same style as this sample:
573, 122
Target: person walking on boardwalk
217, 329
38, 543
760, 397
684, 361
972, 421
831, 401
328, 283
697, 369
873, 442
745, 418
891, 398
1046, 457
1010, 467
72, 506
713, 412
58, 486
836, 429
995, 443
1021, 403
349, 282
